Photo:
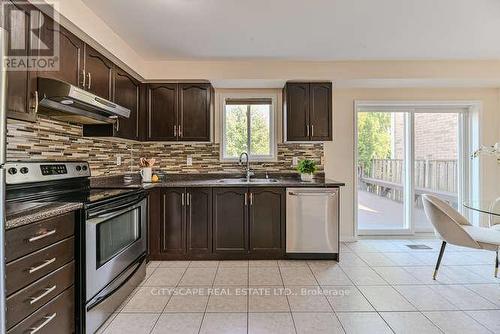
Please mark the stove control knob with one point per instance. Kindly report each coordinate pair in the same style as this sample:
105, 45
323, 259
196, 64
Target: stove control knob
84, 167
78, 168
24, 170
12, 170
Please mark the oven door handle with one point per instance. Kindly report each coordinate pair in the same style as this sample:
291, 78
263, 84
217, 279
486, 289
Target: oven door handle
111, 289
106, 213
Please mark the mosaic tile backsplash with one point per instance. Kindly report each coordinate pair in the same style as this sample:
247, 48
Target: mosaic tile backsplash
53, 140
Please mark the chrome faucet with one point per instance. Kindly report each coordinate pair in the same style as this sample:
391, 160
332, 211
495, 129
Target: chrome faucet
249, 173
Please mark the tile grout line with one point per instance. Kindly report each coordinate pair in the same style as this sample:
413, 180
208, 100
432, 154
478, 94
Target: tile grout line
208, 300
169, 298
287, 301
327, 300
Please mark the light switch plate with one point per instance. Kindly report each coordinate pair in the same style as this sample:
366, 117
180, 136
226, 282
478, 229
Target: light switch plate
189, 160
295, 161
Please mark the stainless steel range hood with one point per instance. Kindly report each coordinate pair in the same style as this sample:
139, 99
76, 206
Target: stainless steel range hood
63, 101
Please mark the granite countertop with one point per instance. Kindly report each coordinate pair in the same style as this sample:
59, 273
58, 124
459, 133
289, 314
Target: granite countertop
215, 180
19, 214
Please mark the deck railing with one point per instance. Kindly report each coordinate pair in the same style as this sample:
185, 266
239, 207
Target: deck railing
385, 178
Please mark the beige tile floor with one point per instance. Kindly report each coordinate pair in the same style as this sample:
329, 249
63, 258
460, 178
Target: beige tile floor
379, 286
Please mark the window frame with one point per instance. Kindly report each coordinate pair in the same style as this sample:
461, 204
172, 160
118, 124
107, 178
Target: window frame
273, 133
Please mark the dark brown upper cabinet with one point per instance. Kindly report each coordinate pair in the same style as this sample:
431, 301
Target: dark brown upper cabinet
267, 216
162, 112
126, 92
194, 112
21, 91
308, 111
230, 220
179, 112
98, 74
71, 51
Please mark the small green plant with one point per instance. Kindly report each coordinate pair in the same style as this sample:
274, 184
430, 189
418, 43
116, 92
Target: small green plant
306, 166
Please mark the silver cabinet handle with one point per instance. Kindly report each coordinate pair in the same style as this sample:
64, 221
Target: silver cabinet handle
45, 293
188, 198
83, 79
182, 199
41, 236
180, 131
48, 319
35, 102
246, 199
117, 123
43, 265
251, 198
312, 130
175, 130
307, 126
89, 76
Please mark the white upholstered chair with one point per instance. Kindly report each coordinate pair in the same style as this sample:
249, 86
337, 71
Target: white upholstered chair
455, 229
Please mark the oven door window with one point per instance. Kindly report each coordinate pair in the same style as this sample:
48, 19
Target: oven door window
116, 234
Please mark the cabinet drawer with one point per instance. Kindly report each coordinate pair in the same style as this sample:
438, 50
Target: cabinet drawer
26, 301
29, 238
56, 317
31, 267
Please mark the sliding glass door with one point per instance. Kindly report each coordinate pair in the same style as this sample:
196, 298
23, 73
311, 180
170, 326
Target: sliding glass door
402, 153
381, 171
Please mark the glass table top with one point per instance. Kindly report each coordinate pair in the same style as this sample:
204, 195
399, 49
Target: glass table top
488, 207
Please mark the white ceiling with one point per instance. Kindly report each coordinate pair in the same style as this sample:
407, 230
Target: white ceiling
305, 29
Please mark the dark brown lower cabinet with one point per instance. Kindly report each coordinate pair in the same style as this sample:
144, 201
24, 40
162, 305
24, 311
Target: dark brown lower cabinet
217, 223
180, 223
41, 276
230, 220
199, 220
249, 221
173, 229
267, 216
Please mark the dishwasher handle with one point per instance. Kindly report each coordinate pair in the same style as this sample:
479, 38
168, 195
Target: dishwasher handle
325, 193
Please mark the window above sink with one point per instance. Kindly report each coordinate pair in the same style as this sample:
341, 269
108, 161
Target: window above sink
248, 124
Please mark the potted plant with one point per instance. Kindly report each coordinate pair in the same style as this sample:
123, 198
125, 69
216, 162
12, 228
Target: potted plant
306, 168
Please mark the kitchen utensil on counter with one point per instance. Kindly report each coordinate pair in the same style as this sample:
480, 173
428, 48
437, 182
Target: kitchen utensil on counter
147, 162
146, 173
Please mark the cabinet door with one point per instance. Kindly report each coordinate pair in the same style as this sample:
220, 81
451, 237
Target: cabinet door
297, 111
194, 112
199, 220
162, 112
230, 220
155, 222
22, 83
267, 218
71, 50
98, 71
173, 230
126, 94
320, 111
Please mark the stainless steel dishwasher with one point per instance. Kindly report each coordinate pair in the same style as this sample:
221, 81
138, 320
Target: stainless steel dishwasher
312, 223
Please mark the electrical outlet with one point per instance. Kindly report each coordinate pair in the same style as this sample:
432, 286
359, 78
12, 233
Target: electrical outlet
295, 161
118, 160
189, 160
